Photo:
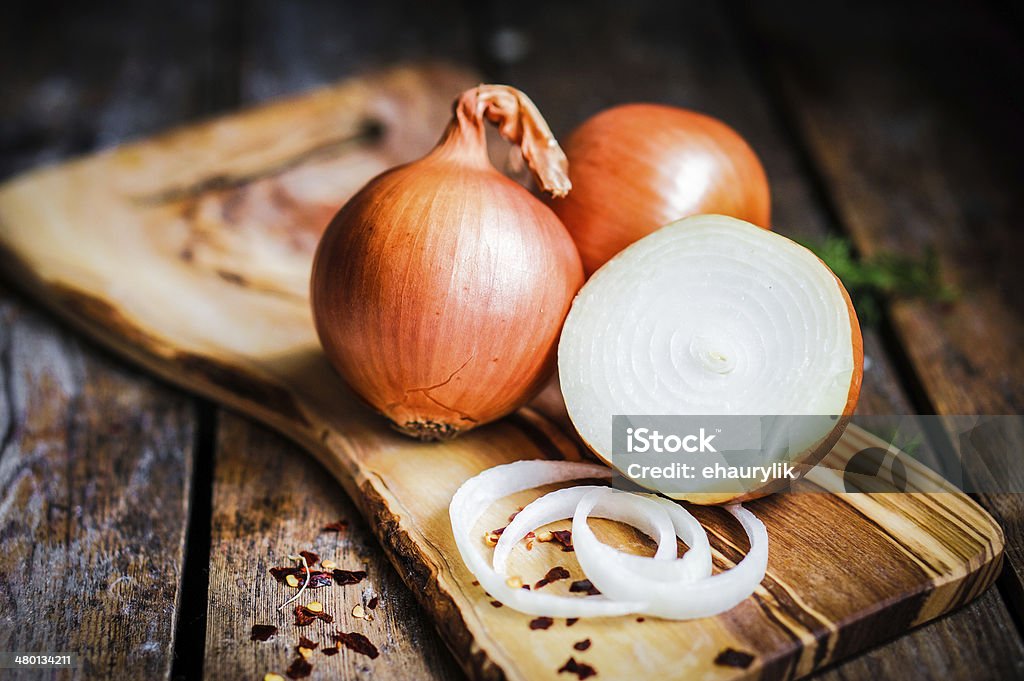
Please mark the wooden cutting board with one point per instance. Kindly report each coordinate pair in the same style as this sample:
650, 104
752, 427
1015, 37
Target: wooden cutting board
189, 253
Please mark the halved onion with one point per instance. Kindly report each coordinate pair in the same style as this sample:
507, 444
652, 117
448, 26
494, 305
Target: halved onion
711, 315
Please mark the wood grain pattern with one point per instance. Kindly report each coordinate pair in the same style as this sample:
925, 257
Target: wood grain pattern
95, 466
271, 500
915, 163
846, 571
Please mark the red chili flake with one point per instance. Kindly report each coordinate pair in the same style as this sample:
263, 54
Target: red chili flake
299, 669
639, 619
311, 558
541, 623
357, 642
582, 645
584, 586
563, 537
554, 574
306, 643
262, 632
498, 531
336, 526
304, 616
476, 583
346, 577
526, 586
497, 604
514, 514
530, 536
317, 578
580, 669
373, 602
330, 651
731, 657
571, 621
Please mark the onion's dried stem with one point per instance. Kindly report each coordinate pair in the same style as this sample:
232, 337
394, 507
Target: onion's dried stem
520, 123
305, 566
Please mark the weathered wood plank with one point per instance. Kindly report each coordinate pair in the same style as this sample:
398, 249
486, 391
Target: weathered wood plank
271, 499
77, 78
94, 486
690, 55
920, 152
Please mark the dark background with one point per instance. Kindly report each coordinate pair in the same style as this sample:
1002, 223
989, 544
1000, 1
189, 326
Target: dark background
896, 126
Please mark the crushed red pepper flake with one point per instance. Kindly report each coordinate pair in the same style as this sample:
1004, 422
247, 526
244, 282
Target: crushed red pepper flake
300, 668
357, 642
580, 669
584, 586
512, 516
330, 651
563, 537
541, 623
639, 619
530, 536
497, 604
346, 577
317, 578
336, 526
262, 632
571, 621
311, 558
730, 657
306, 643
582, 645
373, 602
304, 616
553, 575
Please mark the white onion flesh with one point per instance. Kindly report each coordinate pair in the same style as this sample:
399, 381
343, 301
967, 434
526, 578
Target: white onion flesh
708, 316
660, 586
478, 493
670, 598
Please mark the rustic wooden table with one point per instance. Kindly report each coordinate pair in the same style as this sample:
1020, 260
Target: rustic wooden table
136, 521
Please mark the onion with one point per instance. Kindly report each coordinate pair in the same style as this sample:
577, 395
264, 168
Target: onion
439, 289
666, 594
639, 166
478, 493
659, 586
713, 316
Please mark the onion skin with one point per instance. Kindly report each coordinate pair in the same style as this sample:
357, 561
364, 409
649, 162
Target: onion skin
439, 290
637, 167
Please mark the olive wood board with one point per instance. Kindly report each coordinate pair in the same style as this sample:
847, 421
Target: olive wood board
189, 254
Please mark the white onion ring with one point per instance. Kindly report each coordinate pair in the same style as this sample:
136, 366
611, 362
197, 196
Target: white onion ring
672, 589
666, 597
479, 492
640, 511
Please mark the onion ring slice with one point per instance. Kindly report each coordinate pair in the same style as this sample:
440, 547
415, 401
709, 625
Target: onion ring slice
669, 597
479, 492
639, 511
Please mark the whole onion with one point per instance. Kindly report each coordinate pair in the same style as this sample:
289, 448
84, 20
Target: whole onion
637, 167
440, 288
